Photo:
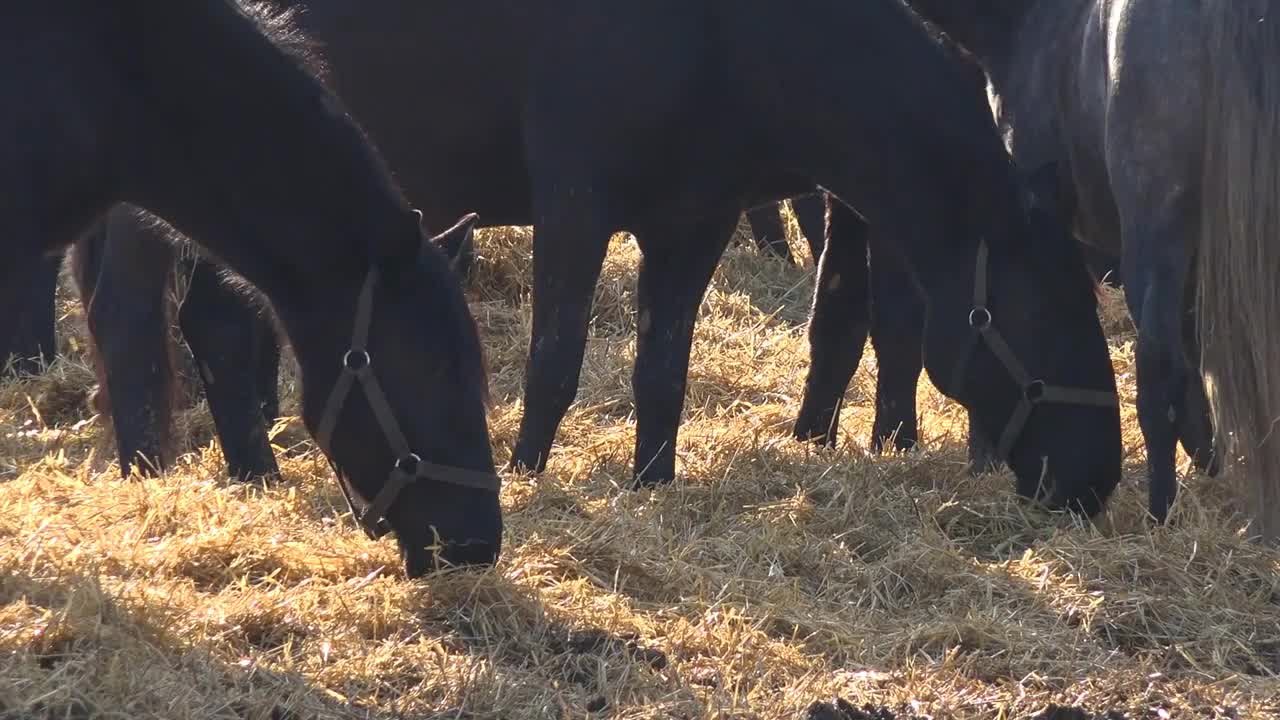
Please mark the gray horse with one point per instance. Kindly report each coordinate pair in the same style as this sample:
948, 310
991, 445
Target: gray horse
1163, 118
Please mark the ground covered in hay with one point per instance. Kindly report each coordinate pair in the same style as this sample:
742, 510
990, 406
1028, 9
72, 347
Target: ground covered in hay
770, 581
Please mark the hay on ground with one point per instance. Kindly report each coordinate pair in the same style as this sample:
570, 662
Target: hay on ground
770, 577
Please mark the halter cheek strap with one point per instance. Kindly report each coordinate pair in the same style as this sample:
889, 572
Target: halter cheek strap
357, 367
1033, 392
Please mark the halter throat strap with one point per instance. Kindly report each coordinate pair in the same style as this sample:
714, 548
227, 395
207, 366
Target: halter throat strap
357, 369
1033, 392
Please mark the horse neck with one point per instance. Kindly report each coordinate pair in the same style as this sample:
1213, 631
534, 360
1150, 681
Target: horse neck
248, 154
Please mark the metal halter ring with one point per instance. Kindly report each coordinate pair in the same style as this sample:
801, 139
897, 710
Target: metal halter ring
1034, 392
361, 358
409, 464
980, 318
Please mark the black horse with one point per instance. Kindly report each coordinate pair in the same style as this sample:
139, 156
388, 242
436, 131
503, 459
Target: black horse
863, 288
189, 110
558, 117
1096, 88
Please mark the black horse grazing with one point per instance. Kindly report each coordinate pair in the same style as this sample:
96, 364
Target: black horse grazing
851, 298
864, 289
557, 117
1094, 87
189, 110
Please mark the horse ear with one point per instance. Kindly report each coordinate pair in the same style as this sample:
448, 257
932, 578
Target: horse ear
458, 243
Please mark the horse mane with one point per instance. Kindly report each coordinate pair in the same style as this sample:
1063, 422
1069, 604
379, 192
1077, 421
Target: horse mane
281, 27
442, 274
966, 26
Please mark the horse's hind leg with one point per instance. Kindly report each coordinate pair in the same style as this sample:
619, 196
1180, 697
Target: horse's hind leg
569, 246
34, 342
769, 233
122, 269
1195, 422
1155, 268
811, 216
225, 333
674, 273
897, 335
266, 347
838, 327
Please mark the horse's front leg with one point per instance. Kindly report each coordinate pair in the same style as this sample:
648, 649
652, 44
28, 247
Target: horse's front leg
122, 269
569, 245
674, 274
837, 328
234, 350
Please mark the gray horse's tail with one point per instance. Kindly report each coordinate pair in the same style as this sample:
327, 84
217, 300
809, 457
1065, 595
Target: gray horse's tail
1239, 255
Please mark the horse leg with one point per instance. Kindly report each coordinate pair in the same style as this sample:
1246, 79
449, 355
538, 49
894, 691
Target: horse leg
1102, 264
897, 336
122, 269
674, 274
34, 343
266, 348
223, 330
811, 216
838, 327
15, 294
769, 233
1195, 422
1155, 267
569, 246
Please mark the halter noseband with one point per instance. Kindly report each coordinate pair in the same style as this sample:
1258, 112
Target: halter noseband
1034, 392
357, 366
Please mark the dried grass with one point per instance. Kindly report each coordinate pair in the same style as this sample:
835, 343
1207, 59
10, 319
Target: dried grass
771, 576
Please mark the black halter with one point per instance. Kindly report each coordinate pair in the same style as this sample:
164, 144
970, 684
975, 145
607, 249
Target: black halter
357, 366
1034, 392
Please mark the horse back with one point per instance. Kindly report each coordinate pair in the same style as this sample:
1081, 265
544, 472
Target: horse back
438, 86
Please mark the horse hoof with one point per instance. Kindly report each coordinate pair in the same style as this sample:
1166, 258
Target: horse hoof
648, 481
1210, 467
100, 400
524, 467
814, 437
261, 470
